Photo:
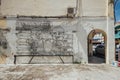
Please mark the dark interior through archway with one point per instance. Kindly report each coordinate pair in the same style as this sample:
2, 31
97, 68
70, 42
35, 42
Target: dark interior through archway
96, 47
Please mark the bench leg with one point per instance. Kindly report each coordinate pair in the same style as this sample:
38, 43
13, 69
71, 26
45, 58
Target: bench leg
14, 59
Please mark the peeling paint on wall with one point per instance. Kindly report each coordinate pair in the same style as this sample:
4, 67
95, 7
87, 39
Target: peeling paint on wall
2, 59
4, 50
43, 38
3, 24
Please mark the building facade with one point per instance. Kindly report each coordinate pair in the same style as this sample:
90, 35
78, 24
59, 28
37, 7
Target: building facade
56, 28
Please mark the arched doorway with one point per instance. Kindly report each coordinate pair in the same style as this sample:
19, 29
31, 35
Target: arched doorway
97, 44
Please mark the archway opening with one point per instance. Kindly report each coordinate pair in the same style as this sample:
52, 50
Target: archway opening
97, 46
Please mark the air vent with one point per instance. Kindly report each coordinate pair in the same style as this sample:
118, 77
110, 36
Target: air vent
71, 12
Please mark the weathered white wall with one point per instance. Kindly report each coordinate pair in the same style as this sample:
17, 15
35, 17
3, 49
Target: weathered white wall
102, 23
36, 7
94, 7
111, 41
68, 25
82, 26
111, 11
52, 7
11, 38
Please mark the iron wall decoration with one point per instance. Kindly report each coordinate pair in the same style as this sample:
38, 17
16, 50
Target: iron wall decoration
42, 38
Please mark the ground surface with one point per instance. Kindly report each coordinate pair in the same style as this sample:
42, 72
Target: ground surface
94, 59
59, 72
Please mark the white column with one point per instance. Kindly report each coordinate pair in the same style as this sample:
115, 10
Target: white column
107, 55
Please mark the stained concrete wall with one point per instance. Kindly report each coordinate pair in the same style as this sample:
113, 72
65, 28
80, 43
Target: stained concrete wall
81, 26
111, 40
53, 7
69, 26
36, 7
110, 10
3, 23
94, 7
102, 23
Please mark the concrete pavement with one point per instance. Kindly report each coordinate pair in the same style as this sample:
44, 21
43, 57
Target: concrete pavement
59, 72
